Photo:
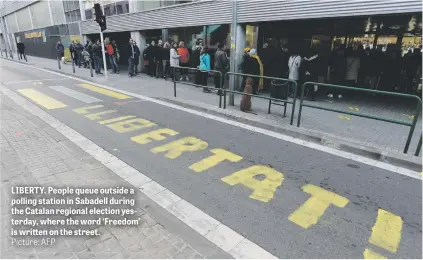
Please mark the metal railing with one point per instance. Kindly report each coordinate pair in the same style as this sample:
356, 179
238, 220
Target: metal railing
411, 125
285, 101
174, 80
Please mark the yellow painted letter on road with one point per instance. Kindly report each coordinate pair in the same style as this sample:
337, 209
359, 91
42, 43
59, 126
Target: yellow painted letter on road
369, 254
131, 125
108, 121
310, 212
176, 148
263, 190
386, 233
84, 110
97, 116
41, 99
157, 135
219, 156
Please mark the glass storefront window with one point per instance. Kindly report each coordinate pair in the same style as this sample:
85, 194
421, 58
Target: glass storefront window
122, 7
88, 14
110, 9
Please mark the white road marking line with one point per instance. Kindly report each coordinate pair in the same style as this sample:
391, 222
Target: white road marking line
28, 81
220, 235
75, 94
357, 158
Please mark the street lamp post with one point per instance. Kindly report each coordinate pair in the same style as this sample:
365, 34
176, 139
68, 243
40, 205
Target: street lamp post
233, 51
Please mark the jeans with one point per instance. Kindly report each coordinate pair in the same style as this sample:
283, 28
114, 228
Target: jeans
131, 62
97, 64
159, 68
113, 63
167, 70
22, 55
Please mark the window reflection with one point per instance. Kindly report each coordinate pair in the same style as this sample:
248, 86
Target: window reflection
122, 7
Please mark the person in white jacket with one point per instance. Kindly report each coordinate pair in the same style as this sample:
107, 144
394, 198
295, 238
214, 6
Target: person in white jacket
174, 59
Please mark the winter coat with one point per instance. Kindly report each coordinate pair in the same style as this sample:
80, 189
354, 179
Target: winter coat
205, 62
21, 47
250, 66
184, 54
221, 61
174, 58
60, 48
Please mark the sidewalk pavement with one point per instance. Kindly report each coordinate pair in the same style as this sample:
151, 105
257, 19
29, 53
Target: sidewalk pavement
33, 153
383, 136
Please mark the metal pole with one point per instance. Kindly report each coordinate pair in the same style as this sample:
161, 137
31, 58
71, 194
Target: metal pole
104, 53
91, 68
73, 63
419, 147
58, 62
233, 52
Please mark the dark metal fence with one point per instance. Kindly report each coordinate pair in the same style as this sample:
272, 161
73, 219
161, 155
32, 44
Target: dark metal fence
411, 125
284, 101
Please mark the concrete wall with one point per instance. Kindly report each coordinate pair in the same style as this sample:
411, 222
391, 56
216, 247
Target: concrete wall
23, 19
40, 14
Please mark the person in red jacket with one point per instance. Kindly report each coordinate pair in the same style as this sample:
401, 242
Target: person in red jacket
184, 59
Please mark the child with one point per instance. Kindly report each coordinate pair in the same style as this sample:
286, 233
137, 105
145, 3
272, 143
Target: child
245, 105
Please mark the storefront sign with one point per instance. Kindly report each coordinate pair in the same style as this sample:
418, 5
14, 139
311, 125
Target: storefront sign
33, 35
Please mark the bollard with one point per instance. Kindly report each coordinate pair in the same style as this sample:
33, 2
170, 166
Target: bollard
58, 63
26, 59
91, 68
73, 65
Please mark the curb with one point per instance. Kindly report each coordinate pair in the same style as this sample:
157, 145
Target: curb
17, 61
401, 160
410, 162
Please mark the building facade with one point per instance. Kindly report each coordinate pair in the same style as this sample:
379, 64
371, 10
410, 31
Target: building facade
310, 22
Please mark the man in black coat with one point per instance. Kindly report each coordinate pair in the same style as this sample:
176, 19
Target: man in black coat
21, 50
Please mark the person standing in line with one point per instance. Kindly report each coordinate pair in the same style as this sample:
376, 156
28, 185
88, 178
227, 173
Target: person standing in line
221, 64
309, 72
21, 50
150, 55
78, 50
174, 60
368, 70
131, 59
166, 60
159, 59
204, 69
184, 60
294, 64
72, 50
98, 52
137, 58
257, 61
112, 55
338, 68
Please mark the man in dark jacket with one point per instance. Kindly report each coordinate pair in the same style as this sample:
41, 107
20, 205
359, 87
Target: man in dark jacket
21, 50
159, 57
131, 59
60, 50
72, 50
221, 64
97, 53
78, 49
137, 57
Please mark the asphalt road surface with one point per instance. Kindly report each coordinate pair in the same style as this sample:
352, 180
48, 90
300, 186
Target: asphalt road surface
293, 201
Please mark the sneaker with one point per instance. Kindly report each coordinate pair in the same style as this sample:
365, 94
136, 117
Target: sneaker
339, 96
187, 79
181, 79
330, 95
